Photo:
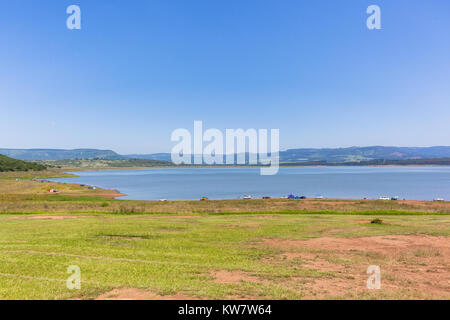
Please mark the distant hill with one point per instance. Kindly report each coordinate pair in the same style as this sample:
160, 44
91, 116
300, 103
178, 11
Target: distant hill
59, 154
9, 164
378, 162
364, 154
105, 163
351, 154
330, 155
153, 156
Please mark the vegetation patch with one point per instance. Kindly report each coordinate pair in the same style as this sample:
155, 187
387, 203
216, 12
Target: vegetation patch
10, 164
128, 236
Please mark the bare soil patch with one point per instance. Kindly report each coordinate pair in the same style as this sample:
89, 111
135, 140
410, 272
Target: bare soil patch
234, 276
416, 264
166, 216
128, 238
138, 294
382, 244
46, 217
83, 191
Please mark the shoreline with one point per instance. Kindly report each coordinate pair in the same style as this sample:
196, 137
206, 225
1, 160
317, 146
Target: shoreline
117, 194
34, 196
68, 169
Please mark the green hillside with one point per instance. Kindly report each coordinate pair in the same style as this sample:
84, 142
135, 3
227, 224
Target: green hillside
105, 163
9, 164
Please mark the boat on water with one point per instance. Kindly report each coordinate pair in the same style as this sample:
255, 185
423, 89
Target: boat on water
292, 196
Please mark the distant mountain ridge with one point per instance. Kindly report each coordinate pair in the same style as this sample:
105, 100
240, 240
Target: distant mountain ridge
59, 154
152, 156
331, 155
350, 154
364, 153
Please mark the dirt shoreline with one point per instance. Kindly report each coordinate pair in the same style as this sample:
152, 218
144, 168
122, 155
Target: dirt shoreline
113, 194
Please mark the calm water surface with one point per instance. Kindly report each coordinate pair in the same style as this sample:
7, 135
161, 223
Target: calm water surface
419, 183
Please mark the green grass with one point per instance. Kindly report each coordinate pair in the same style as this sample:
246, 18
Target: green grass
335, 212
171, 254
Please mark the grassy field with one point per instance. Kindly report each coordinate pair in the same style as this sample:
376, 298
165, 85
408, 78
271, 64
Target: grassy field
235, 249
220, 256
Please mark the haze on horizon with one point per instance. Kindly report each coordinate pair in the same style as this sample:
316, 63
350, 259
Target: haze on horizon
136, 72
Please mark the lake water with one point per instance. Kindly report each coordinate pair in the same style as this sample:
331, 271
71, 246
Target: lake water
418, 183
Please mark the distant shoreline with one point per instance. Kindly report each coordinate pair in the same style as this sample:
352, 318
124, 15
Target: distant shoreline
66, 170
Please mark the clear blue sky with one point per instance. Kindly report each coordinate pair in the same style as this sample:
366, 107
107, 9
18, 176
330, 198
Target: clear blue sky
137, 70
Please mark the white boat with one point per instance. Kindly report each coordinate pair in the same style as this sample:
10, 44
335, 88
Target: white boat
384, 198
438, 199
163, 200
246, 197
319, 197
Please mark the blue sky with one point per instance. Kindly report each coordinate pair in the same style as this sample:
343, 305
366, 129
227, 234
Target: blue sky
139, 69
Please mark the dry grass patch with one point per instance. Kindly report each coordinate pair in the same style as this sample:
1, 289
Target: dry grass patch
139, 294
47, 217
